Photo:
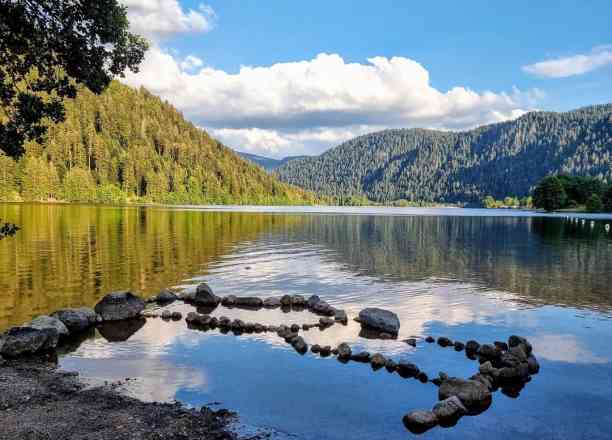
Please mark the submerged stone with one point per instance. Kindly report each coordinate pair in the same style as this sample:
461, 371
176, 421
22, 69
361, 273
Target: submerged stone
418, 422
380, 319
117, 306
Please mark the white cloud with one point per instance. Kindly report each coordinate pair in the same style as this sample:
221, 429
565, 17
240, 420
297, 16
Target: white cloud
191, 62
305, 106
159, 19
572, 65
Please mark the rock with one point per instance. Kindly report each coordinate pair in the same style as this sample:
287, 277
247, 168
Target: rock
380, 319
484, 379
489, 352
474, 395
412, 342
272, 302
213, 321
362, 356
325, 351
299, 344
316, 348
326, 322
295, 328
249, 301
165, 297
437, 381
430, 339
390, 365
204, 296
237, 324
418, 422
443, 376
472, 347
229, 301
225, 322
515, 341
322, 308
385, 336
166, 315
448, 411
76, 320
533, 365
305, 327
286, 300
2, 360
340, 316
259, 328
44, 321
510, 360
298, 301
20, 341
314, 299
519, 352
513, 374
422, 377
186, 295
486, 368
444, 341
117, 306
501, 345
459, 346
407, 369
378, 361
344, 351
177, 316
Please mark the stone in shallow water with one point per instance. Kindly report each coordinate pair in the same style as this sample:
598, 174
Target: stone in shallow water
448, 411
380, 319
44, 321
117, 306
344, 351
21, 341
474, 395
418, 422
165, 297
76, 320
407, 369
272, 302
378, 361
204, 296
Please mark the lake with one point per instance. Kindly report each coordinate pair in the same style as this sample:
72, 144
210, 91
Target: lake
465, 274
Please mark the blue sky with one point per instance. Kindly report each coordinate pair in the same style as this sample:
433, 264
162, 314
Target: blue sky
446, 64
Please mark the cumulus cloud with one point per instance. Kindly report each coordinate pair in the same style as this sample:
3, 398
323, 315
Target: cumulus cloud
297, 107
572, 65
191, 62
160, 19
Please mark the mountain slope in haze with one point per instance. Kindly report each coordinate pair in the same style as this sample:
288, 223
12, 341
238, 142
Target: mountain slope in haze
131, 144
501, 159
267, 163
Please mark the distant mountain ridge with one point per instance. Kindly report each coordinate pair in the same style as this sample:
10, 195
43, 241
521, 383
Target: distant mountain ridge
501, 159
267, 163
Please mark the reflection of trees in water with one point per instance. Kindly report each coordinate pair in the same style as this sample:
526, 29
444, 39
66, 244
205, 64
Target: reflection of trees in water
546, 260
71, 255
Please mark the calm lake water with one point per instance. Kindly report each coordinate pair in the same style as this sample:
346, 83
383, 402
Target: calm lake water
465, 274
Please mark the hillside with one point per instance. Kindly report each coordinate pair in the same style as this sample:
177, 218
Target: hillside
499, 160
267, 163
127, 144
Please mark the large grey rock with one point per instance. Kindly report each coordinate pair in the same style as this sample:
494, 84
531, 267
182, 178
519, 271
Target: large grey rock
165, 297
448, 411
21, 341
43, 322
299, 344
117, 306
418, 422
77, 320
312, 301
187, 295
204, 296
473, 394
380, 319
249, 301
340, 316
323, 308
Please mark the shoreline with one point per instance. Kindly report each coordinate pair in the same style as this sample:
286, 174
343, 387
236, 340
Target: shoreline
39, 401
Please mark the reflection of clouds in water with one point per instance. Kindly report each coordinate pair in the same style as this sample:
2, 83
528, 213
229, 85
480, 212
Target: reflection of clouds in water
564, 348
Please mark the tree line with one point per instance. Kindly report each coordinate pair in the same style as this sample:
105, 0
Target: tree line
554, 193
462, 167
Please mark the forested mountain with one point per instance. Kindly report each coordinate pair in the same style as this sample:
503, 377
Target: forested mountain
267, 163
501, 159
127, 144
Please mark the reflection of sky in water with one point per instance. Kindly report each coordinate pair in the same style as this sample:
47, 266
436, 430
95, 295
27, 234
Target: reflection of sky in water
270, 385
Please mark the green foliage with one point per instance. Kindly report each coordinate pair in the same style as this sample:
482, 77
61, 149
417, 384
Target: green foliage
550, 194
594, 204
49, 46
508, 202
7, 230
495, 160
39, 179
607, 200
128, 145
78, 186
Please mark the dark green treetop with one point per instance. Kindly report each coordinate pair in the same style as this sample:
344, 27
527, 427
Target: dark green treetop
550, 194
47, 47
